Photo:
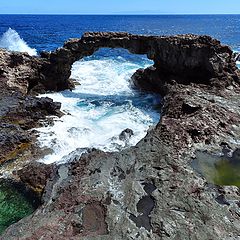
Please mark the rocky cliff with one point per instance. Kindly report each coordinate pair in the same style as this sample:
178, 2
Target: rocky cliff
149, 191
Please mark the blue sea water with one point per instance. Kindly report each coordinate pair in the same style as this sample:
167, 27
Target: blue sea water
47, 32
104, 104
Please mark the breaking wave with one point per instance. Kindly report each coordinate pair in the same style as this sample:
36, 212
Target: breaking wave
12, 41
99, 109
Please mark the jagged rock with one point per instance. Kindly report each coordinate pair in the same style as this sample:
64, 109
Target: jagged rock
237, 56
183, 58
19, 111
13, 141
126, 134
19, 71
36, 175
199, 81
149, 80
19, 114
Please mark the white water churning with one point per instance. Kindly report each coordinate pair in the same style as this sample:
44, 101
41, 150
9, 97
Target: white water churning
101, 107
12, 41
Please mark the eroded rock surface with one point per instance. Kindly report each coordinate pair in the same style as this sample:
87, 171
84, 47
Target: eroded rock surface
148, 191
183, 58
19, 111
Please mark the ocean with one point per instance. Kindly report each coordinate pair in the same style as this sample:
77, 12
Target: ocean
47, 32
104, 102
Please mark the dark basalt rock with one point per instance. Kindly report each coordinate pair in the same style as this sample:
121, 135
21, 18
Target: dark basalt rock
126, 134
144, 208
149, 80
235, 159
183, 58
22, 113
148, 191
36, 175
19, 71
237, 56
13, 141
19, 111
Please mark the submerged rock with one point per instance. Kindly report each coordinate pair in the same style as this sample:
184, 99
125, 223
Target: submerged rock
235, 159
223, 170
126, 134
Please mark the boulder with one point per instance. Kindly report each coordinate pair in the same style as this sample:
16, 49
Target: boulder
126, 134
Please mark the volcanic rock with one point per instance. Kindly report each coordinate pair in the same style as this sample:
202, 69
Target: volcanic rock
148, 191
183, 58
237, 56
20, 111
126, 134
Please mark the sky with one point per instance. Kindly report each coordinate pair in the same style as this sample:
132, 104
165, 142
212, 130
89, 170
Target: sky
120, 6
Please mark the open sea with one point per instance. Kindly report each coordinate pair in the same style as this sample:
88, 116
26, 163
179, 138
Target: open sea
104, 102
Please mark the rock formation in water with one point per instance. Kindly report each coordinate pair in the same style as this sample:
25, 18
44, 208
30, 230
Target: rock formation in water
148, 191
183, 58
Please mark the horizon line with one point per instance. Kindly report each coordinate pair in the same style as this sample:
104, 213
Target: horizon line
120, 14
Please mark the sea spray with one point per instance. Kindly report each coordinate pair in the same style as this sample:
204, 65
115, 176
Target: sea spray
11, 40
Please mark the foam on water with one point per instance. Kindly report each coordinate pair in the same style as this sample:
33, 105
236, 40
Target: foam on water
99, 109
11, 40
238, 64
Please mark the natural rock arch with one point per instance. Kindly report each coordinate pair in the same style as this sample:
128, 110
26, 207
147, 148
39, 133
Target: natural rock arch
182, 58
194, 117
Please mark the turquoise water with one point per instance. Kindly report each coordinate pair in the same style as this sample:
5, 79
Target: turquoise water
14, 204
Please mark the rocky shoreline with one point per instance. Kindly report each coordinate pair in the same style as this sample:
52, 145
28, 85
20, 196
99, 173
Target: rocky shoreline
20, 111
149, 191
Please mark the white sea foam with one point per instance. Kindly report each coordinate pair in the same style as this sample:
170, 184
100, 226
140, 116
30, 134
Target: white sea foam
238, 64
98, 110
11, 40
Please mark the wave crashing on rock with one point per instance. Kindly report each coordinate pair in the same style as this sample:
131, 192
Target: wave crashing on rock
12, 41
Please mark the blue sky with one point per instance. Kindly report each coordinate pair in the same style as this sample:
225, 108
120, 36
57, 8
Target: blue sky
120, 6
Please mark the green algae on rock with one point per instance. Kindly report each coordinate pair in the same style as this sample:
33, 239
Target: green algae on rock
220, 170
15, 204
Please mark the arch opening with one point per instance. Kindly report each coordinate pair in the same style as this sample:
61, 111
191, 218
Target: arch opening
104, 111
